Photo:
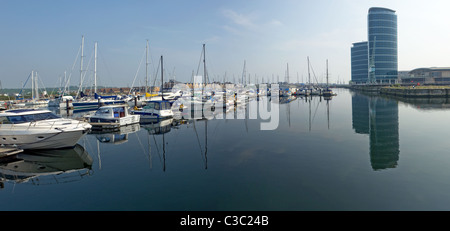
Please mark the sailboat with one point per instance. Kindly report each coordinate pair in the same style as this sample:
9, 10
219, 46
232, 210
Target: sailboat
285, 91
35, 100
155, 109
328, 92
89, 103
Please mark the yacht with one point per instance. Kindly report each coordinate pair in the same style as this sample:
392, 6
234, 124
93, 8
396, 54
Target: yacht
39, 129
111, 117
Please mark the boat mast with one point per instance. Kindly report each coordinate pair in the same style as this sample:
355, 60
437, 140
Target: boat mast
81, 62
95, 67
327, 74
244, 74
36, 88
162, 82
32, 85
309, 75
287, 73
204, 68
146, 68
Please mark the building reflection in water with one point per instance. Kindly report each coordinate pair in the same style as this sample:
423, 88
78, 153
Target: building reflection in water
378, 117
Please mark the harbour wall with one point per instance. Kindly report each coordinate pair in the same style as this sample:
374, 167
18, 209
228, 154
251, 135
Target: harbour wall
408, 92
416, 92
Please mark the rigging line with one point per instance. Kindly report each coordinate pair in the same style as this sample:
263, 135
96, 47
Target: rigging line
40, 79
55, 88
199, 62
157, 72
73, 66
84, 76
28, 78
314, 74
137, 72
101, 59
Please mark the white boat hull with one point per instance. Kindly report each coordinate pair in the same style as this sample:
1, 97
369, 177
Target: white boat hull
49, 139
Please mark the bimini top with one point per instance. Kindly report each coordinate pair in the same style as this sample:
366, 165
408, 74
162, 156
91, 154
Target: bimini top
380, 9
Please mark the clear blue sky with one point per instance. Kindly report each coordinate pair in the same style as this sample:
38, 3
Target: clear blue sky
45, 36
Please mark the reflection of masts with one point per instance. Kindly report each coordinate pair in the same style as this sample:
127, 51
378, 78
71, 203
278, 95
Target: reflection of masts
164, 154
288, 109
98, 154
328, 113
157, 149
206, 144
311, 120
310, 113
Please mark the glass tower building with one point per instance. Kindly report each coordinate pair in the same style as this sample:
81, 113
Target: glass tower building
360, 63
382, 45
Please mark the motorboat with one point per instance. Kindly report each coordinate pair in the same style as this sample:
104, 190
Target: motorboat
39, 129
157, 109
111, 117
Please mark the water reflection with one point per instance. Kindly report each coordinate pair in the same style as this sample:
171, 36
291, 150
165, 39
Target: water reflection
378, 117
118, 136
427, 103
43, 167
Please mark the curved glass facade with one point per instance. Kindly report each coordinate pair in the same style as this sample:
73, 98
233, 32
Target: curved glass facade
360, 63
382, 36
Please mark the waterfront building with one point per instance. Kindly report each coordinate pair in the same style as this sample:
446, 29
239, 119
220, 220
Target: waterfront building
382, 36
382, 53
427, 75
360, 63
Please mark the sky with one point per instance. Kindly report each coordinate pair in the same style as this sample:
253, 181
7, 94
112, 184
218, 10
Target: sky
269, 36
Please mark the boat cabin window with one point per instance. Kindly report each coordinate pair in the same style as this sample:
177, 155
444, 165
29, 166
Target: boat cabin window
103, 111
149, 106
166, 106
158, 106
31, 118
119, 112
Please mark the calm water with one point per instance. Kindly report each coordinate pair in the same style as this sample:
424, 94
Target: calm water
354, 152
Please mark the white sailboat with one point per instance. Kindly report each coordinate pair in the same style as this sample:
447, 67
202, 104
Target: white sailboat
89, 103
158, 108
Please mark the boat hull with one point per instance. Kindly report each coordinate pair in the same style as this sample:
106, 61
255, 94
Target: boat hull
53, 139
